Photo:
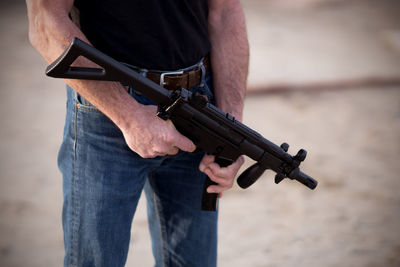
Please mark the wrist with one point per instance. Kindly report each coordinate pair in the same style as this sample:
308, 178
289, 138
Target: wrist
116, 103
129, 115
236, 111
238, 116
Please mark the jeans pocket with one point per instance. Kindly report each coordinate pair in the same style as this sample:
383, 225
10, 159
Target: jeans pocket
83, 104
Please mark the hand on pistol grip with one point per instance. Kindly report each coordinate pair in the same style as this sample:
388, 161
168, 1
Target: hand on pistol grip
209, 200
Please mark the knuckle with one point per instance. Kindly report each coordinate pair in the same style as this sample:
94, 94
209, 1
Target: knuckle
227, 184
169, 139
144, 155
174, 151
220, 181
150, 154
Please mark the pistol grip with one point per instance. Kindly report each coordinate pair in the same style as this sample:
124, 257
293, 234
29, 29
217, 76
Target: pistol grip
209, 201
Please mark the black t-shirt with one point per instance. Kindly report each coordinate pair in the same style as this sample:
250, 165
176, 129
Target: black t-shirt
153, 34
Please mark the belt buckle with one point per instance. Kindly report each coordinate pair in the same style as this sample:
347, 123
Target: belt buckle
174, 73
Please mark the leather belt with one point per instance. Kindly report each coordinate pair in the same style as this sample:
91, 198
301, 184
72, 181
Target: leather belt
186, 78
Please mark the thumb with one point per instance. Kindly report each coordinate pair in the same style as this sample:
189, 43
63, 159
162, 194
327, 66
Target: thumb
181, 141
185, 144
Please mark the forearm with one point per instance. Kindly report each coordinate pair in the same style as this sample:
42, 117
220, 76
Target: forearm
50, 32
229, 54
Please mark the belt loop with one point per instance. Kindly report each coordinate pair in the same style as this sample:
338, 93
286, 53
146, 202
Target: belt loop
203, 73
76, 96
143, 72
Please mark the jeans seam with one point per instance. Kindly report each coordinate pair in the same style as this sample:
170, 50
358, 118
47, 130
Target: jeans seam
74, 199
162, 229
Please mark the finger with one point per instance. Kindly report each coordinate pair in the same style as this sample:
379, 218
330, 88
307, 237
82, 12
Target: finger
228, 170
205, 161
224, 172
184, 143
158, 154
223, 181
181, 142
151, 155
173, 150
216, 189
218, 170
239, 161
146, 155
228, 183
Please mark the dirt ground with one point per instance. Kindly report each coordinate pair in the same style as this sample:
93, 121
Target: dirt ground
352, 137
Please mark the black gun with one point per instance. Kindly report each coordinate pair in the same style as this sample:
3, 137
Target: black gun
211, 130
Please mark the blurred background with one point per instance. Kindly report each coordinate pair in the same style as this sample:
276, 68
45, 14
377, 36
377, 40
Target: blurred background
324, 76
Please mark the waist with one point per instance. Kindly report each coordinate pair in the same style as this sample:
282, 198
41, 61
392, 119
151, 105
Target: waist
185, 78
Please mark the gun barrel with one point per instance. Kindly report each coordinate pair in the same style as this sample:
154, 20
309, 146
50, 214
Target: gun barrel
307, 180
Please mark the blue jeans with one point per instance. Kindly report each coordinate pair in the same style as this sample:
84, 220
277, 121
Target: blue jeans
102, 183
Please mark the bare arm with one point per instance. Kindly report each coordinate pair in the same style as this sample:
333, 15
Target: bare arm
50, 32
229, 54
230, 60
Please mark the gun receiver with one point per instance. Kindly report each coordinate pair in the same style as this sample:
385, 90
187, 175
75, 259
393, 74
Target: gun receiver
211, 130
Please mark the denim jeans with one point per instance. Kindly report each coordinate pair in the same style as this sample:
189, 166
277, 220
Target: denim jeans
102, 182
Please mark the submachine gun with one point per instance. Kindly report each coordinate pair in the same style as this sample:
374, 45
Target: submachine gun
211, 130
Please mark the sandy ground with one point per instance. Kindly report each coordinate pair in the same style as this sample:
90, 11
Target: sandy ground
352, 136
